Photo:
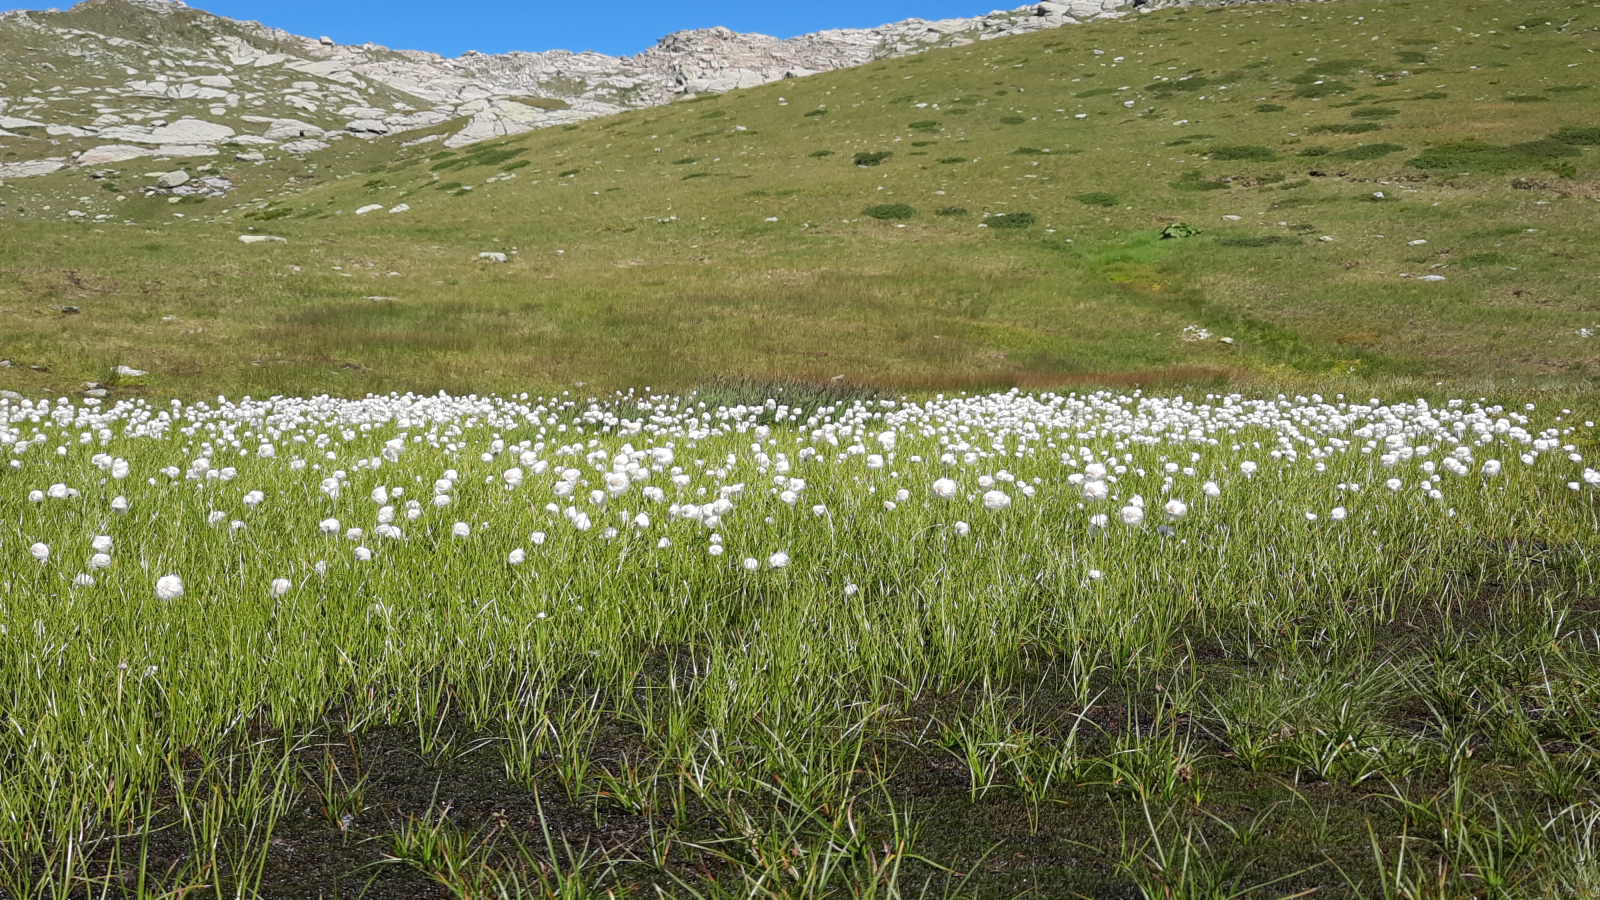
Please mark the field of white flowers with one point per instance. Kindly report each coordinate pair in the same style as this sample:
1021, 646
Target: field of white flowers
513, 646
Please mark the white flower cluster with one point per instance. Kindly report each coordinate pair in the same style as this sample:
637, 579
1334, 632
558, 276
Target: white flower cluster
648, 474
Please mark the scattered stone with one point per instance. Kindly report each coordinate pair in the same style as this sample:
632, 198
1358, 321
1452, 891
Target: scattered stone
261, 238
371, 207
404, 207
492, 256
250, 156
172, 179
108, 154
10, 395
31, 167
129, 372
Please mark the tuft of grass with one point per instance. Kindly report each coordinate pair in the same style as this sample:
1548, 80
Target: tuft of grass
889, 211
1096, 198
1483, 157
1242, 153
871, 157
1345, 128
1586, 135
1367, 151
1011, 220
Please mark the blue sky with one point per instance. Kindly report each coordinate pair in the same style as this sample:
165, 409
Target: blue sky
618, 27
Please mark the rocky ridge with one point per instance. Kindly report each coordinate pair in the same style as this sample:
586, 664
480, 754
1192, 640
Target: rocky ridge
110, 81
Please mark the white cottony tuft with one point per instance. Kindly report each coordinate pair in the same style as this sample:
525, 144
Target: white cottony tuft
329, 526
280, 586
169, 587
995, 501
1176, 509
945, 489
1132, 515
517, 557
40, 551
461, 530
778, 560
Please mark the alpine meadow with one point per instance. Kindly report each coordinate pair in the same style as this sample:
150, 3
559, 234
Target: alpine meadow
1078, 451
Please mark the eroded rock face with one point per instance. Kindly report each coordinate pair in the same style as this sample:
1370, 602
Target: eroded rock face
193, 81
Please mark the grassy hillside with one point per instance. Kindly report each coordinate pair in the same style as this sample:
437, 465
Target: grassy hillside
981, 216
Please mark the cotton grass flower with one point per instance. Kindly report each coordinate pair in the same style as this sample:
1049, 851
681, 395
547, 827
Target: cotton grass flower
1338, 514
537, 538
40, 551
1394, 485
100, 561
517, 557
83, 579
996, 501
1096, 490
962, 529
362, 554
751, 564
102, 543
1099, 520
1132, 515
945, 489
169, 587
1210, 489
461, 530
778, 560
329, 526
1176, 509
279, 587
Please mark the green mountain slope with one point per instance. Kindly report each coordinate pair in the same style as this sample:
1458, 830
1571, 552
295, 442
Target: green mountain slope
977, 216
